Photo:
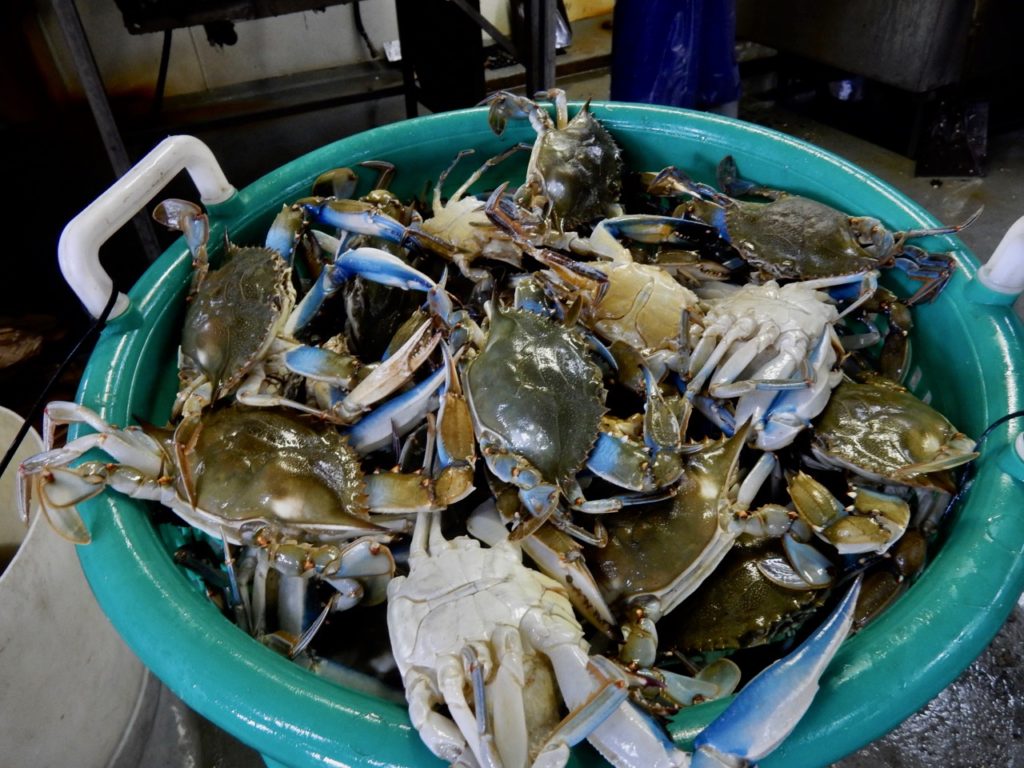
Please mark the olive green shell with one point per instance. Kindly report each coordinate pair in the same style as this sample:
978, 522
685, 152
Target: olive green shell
796, 237
650, 546
273, 465
737, 607
234, 316
582, 170
881, 429
535, 388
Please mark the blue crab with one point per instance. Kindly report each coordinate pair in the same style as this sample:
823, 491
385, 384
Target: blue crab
239, 334
233, 472
536, 397
882, 432
460, 228
739, 606
517, 651
798, 238
792, 237
575, 171
775, 349
658, 555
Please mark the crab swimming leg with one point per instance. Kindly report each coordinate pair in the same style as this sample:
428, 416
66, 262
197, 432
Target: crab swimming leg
769, 707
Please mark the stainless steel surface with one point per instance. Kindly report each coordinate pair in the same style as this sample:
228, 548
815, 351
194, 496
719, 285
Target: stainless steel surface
916, 45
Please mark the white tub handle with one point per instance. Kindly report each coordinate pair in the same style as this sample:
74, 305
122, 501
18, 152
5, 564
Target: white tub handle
1004, 271
79, 246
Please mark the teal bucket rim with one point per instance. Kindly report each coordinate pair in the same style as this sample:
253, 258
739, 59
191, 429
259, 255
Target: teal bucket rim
294, 718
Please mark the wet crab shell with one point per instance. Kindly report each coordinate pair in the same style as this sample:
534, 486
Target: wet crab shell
535, 389
234, 316
254, 467
737, 607
878, 429
580, 167
665, 549
798, 238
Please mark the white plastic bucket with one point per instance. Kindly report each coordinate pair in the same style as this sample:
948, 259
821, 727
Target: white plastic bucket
71, 692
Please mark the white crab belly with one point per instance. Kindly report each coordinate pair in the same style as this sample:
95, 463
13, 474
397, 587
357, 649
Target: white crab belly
459, 597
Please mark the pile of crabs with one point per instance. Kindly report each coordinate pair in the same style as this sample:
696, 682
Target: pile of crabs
570, 461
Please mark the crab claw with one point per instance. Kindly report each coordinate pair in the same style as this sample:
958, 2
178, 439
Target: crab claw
372, 264
771, 704
505, 106
355, 216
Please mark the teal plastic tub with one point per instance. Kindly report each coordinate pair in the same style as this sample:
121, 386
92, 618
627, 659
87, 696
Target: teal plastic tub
967, 359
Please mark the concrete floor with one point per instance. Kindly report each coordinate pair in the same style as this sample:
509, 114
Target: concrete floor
977, 721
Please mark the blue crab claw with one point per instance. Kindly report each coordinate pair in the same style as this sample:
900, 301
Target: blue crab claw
380, 267
505, 106
370, 263
648, 467
397, 416
771, 704
671, 182
355, 217
653, 230
285, 232
188, 218
729, 180
338, 183
791, 410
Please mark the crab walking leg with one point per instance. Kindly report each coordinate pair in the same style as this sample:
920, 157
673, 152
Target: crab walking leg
451, 681
556, 554
58, 489
439, 733
712, 347
771, 705
456, 443
581, 723
130, 445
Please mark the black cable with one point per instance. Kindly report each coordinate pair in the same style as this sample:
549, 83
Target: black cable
357, 18
967, 475
26, 425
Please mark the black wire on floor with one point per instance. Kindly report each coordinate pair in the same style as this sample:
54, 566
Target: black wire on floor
40, 402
